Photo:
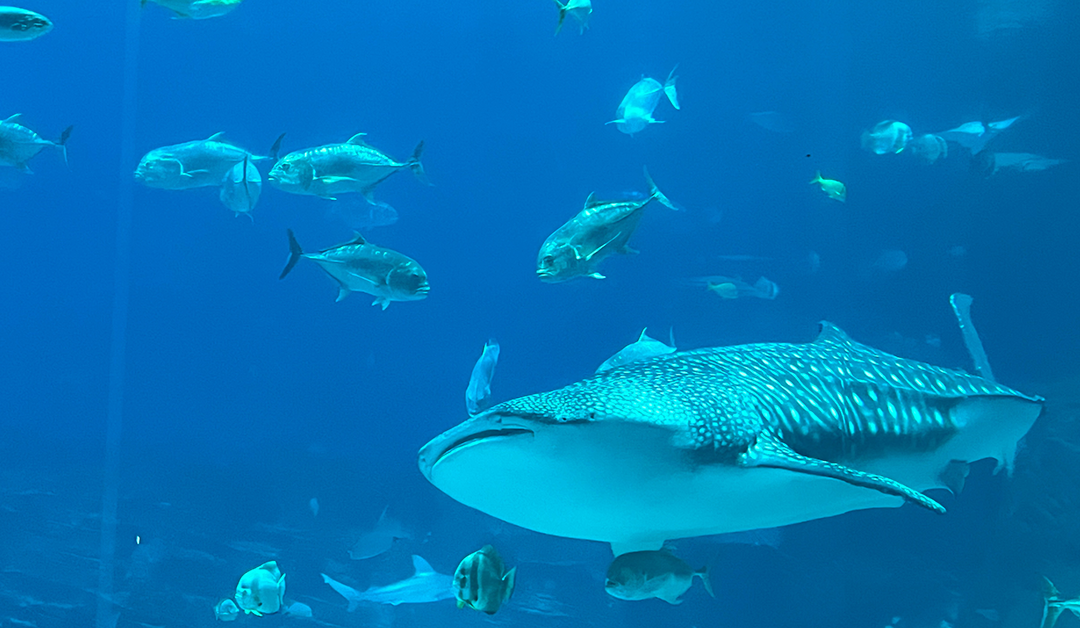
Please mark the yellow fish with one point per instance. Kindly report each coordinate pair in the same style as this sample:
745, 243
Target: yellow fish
832, 187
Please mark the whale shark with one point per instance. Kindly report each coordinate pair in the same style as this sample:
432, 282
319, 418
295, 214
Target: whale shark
728, 439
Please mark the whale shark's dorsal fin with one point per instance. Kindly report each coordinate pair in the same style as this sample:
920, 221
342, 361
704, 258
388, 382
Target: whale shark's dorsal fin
829, 333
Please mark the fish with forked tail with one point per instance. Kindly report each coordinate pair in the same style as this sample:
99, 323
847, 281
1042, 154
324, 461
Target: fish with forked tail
358, 266
600, 229
333, 169
18, 144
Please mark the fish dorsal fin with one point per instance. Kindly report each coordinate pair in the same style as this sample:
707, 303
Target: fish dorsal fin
643, 336
216, 137
421, 566
13, 118
357, 139
592, 201
360, 240
829, 333
382, 517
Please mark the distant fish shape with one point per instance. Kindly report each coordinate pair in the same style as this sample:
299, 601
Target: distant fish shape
929, 148
425, 585
773, 121
197, 9
478, 393
578, 9
240, 188
974, 135
379, 539
226, 610
358, 266
22, 25
995, 163
635, 112
599, 230
642, 349
735, 287
19, 144
1054, 605
890, 261
652, 574
887, 137
360, 215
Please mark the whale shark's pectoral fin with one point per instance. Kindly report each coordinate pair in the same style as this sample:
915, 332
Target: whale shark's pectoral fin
770, 451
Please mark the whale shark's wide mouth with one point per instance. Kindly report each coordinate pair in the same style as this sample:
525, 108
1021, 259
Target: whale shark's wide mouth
464, 436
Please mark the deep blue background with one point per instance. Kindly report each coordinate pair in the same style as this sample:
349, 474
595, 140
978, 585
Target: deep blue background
245, 396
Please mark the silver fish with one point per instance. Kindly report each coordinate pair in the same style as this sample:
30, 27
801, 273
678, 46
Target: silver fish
600, 229
197, 9
21, 25
635, 112
1054, 605
240, 188
727, 439
994, 163
202, 163
641, 349
887, 137
481, 581
333, 169
18, 144
425, 585
652, 574
358, 266
478, 393
578, 9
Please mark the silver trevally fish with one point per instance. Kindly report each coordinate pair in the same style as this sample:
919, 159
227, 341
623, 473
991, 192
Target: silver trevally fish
599, 230
643, 348
358, 266
652, 574
478, 392
240, 187
21, 25
635, 112
201, 163
18, 144
425, 585
333, 169
197, 9
727, 439
578, 9
378, 539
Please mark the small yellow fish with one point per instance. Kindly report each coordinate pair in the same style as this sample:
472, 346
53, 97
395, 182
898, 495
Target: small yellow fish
726, 290
832, 187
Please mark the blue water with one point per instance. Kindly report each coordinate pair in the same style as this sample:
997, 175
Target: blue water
245, 396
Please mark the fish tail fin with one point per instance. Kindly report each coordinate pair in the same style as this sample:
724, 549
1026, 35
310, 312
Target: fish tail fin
817, 178
703, 573
294, 255
562, 15
669, 88
415, 165
276, 147
654, 192
63, 141
509, 579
